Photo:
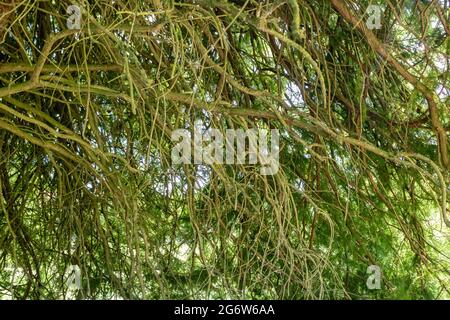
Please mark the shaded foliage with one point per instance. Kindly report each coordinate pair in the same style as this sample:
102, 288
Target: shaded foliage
86, 176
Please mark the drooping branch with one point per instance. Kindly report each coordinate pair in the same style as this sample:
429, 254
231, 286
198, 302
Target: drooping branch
431, 98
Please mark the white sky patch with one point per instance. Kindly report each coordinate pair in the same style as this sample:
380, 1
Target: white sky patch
202, 177
440, 62
183, 252
294, 94
436, 224
150, 18
442, 92
300, 185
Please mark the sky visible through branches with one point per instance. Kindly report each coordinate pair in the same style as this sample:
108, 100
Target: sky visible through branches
244, 149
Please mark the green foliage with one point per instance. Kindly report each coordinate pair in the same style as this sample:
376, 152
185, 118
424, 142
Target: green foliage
86, 176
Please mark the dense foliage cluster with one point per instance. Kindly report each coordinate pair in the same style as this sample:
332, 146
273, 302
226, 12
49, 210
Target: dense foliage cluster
86, 177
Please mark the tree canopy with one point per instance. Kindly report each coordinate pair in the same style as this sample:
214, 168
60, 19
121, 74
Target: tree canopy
87, 179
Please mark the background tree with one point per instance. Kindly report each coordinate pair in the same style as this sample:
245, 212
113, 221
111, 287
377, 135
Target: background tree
86, 176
